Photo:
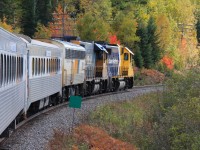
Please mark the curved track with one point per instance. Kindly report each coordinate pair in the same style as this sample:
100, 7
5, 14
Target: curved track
53, 108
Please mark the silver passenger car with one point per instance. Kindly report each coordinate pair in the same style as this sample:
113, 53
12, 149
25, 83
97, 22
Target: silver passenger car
44, 70
13, 60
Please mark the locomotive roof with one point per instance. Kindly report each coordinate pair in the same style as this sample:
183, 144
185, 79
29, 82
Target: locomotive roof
129, 50
72, 46
112, 46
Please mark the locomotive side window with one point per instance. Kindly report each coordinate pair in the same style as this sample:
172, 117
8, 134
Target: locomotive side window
74, 54
125, 56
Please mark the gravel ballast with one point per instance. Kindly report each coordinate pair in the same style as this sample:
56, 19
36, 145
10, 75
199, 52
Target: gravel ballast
35, 134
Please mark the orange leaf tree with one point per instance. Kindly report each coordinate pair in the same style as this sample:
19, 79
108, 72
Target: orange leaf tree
113, 39
168, 62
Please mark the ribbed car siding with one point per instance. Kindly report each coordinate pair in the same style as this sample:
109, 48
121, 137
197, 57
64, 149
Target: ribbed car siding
42, 87
79, 78
13, 87
11, 103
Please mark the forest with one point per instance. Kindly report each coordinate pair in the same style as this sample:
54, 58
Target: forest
164, 35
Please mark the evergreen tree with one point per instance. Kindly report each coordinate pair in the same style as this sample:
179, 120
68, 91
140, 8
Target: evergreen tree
139, 62
29, 17
11, 10
145, 46
44, 11
153, 40
198, 29
147, 55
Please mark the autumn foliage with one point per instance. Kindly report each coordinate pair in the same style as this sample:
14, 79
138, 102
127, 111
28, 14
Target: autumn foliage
168, 62
57, 24
113, 39
42, 32
154, 75
6, 26
62, 23
99, 139
93, 137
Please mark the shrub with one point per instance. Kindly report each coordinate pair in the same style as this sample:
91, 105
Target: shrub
168, 120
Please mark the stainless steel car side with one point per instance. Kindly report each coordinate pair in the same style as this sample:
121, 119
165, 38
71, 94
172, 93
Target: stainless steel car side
13, 64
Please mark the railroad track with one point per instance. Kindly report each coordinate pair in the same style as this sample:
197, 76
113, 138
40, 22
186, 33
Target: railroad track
3, 140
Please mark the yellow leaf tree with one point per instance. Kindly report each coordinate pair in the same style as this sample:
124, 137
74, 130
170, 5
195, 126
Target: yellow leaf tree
6, 26
42, 32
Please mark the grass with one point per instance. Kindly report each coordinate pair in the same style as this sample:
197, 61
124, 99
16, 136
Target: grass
160, 120
129, 121
168, 120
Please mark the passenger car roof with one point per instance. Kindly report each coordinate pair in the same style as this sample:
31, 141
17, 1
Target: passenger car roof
72, 46
39, 43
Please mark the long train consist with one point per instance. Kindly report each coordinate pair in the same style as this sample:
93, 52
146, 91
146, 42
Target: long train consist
37, 74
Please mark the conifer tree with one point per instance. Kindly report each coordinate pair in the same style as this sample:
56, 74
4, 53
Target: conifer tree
139, 62
153, 40
44, 11
198, 29
29, 17
145, 46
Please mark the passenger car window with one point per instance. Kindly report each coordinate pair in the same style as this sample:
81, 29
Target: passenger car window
1, 68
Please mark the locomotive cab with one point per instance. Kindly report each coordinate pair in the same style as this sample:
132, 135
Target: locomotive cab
101, 61
126, 67
95, 71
